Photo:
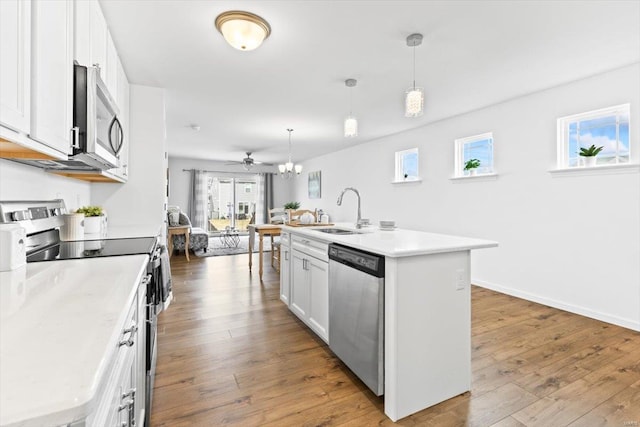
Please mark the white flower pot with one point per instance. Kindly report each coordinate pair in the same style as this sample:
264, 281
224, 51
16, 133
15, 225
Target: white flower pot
589, 161
93, 225
473, 172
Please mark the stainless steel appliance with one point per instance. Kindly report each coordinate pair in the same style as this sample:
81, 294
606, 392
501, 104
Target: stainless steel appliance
97, 131
356, 312
95, 120
42, 220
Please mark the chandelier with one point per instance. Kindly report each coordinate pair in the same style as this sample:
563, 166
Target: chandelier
414, 97
287, 170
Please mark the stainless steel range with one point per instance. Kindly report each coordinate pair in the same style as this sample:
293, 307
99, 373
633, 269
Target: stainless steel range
42, 221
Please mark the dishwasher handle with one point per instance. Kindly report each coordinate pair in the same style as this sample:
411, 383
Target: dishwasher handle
367, 262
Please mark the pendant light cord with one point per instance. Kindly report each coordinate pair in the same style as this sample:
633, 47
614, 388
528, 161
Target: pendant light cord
414, 66
290, 130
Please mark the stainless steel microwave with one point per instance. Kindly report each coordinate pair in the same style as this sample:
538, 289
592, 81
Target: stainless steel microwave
97, 131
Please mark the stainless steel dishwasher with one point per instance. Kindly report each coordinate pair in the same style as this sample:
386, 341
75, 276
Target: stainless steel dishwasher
356, 312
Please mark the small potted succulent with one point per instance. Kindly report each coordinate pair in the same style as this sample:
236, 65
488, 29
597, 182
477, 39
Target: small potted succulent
93, 218
589, 155
472, 165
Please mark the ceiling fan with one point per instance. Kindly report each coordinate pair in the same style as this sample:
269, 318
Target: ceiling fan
248, 162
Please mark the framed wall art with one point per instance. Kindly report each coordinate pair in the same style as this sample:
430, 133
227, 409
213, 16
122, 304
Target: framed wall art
315, 185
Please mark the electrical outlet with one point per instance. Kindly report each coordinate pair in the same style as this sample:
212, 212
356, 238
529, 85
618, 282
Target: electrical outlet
459, 280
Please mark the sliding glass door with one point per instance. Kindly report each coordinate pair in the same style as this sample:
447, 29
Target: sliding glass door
231, 202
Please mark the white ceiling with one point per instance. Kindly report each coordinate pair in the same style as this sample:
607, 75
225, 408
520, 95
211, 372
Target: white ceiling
474, 54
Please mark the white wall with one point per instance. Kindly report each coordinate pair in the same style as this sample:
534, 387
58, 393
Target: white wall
571, 242
179, 180
142, 200
22, 182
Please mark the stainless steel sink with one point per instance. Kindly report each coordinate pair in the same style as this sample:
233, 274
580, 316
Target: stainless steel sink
335, 231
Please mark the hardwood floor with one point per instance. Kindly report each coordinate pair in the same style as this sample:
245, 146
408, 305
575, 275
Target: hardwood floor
230, 353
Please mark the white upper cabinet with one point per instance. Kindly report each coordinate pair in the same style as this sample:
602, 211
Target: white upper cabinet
110, 73
15, 64
52, 73
90, 46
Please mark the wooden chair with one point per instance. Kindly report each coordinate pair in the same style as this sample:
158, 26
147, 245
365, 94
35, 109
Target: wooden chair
275, 216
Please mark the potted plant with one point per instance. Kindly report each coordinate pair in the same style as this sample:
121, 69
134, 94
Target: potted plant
292, 205
93, 219
589, 155
471, 165
288, 207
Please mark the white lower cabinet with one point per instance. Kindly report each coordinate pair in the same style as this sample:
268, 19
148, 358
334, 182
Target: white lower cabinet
122, 400
285, 267
309, 292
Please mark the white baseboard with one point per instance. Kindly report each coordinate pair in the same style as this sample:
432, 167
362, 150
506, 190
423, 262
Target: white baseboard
625, 323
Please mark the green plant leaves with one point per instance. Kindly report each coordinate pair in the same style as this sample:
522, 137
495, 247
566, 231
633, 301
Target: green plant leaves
471, 164
90, 210
591, 151
292, 205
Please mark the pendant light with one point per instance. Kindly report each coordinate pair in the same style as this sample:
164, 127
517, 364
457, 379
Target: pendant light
350, 123
414, 98
242, 30
287, 170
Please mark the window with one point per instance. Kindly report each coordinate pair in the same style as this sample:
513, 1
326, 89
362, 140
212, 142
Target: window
407, 165
607, 128
474, 155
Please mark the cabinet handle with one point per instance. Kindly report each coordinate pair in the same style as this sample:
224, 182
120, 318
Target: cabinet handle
286, 255
131, 393
125, 405
145, 281
75, 137
131, 331
128, 343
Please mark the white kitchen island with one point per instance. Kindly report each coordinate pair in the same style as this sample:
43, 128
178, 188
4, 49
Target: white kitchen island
427, 312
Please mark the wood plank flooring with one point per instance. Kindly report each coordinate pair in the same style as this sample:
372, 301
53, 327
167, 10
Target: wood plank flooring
231, 354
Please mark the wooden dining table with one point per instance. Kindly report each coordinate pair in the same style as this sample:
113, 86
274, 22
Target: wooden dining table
261, 230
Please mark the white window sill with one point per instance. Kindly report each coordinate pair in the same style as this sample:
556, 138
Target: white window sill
480, 177
596, 170
408, 181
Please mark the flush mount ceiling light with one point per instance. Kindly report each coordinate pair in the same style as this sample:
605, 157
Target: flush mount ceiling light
243, 30
414, 98
286, 170
350, 123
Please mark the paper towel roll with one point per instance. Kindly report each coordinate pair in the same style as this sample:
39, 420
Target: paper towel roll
73, 227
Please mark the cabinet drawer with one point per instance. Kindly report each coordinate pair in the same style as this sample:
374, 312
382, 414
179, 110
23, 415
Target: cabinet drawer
285, 238
314, 248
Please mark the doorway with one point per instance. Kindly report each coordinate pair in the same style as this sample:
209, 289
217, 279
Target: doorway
231, 202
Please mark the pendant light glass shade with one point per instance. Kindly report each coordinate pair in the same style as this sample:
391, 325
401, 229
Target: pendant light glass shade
414, 97
287, 170
350, 123
243, 30
414, 102
350, 127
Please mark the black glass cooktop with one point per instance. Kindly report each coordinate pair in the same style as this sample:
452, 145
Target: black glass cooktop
94, 248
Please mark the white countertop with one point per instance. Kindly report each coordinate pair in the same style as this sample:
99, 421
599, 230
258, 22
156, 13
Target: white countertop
395, 243
59, 322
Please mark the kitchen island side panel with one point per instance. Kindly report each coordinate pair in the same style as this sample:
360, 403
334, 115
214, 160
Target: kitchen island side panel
427, 331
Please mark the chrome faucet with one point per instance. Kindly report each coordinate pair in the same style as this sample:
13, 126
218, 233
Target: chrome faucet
359, 220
